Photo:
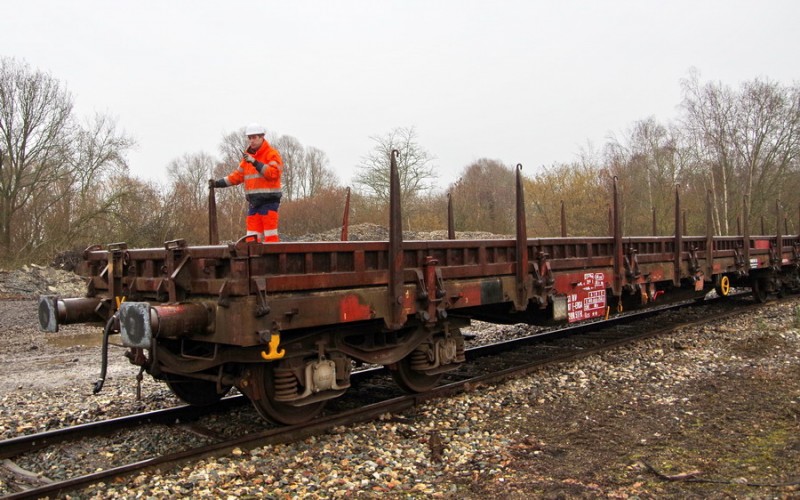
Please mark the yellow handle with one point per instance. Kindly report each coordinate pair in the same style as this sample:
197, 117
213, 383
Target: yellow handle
274, 352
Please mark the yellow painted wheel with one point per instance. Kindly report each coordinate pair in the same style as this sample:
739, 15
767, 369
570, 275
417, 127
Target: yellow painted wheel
723, 287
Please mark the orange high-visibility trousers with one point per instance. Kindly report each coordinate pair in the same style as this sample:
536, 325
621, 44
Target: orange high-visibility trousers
264, 226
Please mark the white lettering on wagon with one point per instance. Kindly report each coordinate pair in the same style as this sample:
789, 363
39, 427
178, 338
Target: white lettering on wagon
588, 299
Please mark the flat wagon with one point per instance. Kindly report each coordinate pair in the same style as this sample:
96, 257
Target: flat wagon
286, 323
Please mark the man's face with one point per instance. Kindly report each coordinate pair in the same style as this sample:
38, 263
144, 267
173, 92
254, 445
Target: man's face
254, 141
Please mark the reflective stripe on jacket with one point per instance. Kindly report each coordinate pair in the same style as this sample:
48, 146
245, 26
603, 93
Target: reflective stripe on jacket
262, 180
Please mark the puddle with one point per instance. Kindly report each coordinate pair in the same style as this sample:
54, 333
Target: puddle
83, 339
58, 362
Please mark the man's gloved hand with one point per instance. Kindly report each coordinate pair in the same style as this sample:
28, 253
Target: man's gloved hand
248, 158
211, 183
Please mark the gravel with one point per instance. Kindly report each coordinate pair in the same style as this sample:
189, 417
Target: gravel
722, 400
375, 232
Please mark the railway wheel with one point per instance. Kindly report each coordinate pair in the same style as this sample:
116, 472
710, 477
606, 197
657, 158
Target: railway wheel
194, 391
760, 290
264, 400
723, 286
411, 380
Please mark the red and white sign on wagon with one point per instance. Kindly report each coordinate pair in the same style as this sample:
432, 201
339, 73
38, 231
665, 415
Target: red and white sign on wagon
588, 298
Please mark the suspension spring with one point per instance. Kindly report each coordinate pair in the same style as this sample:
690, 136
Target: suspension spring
419, 360
460, 351
285, 383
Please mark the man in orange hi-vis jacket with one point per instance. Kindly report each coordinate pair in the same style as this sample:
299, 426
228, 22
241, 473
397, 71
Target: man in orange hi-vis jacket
260, 170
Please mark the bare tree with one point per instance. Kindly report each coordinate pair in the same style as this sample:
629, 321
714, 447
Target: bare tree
313, 214
142, 215
97, 152
188, 194
98, 149
708, 118
188, 175
747, 142
480, 197
54, 169
318, 175
648, 163
767, 140
35, 114
415, 165
294, 166
231, 148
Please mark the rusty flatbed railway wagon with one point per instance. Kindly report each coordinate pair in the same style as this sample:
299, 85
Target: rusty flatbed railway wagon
286, 322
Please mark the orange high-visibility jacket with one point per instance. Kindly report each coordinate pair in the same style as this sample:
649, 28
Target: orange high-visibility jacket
262, 179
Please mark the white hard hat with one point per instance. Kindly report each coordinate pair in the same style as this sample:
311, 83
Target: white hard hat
254, 129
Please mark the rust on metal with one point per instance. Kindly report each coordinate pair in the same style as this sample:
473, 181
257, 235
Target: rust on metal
55, 311
746, 230
451, 228
678, 239
397, 318
175, 320
778, 237
521, 245
685, 226
213, 230
346, 216
430, 292
176, 281
709, 253
655, 227
618, 252
116, 262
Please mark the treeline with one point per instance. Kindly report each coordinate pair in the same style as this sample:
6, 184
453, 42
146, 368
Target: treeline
738, 146
65, 183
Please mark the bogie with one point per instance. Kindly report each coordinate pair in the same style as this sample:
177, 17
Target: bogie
422, 369
261, 385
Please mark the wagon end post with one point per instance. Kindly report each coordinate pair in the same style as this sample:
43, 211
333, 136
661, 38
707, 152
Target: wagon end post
521, 245
678, 237
213, 230
451, 228
618, 257
397, 319
709, 237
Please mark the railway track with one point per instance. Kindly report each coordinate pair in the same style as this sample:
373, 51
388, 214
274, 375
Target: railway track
373, 394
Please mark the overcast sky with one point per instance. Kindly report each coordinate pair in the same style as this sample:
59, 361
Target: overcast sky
523, 82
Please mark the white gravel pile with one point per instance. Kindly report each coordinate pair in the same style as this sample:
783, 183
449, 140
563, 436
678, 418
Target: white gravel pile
33, 280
